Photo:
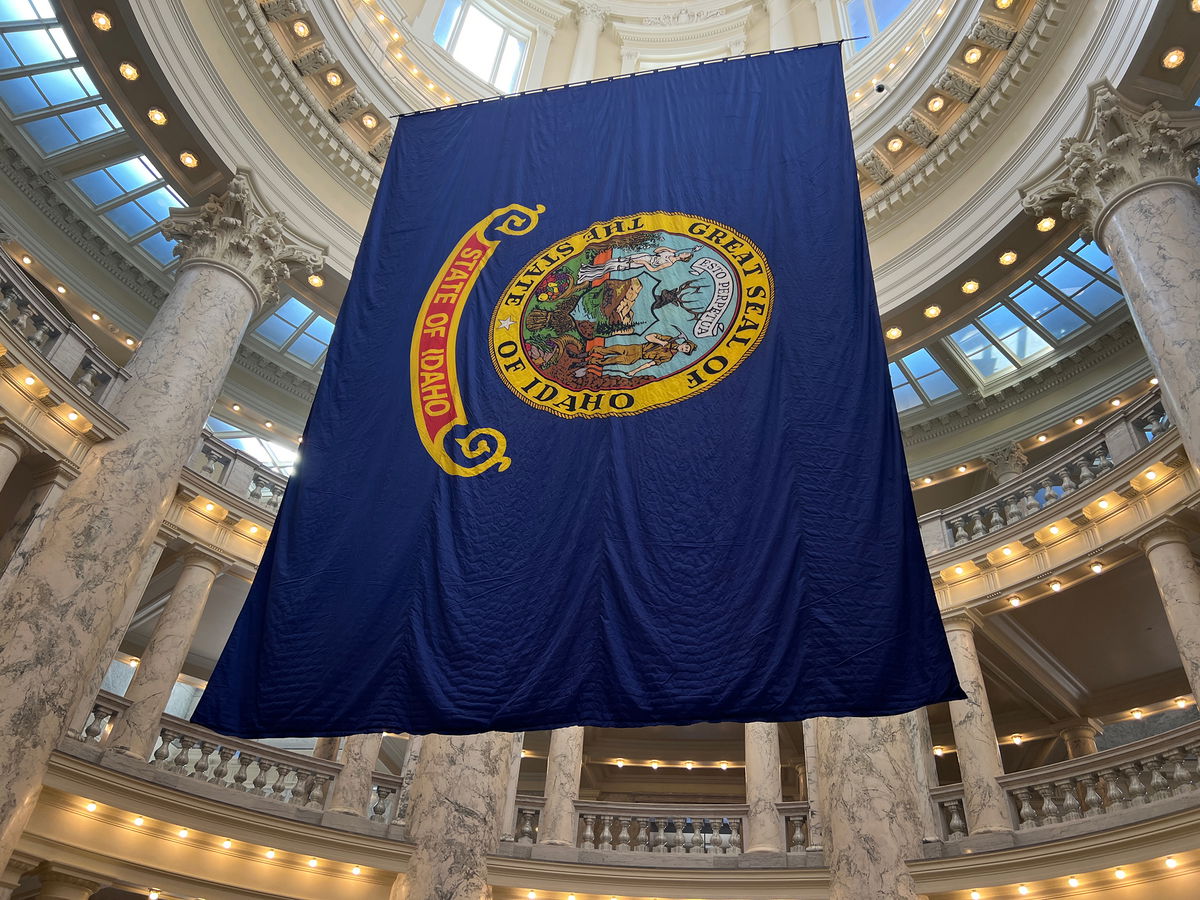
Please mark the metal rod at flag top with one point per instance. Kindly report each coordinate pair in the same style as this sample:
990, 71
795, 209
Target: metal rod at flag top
559, 87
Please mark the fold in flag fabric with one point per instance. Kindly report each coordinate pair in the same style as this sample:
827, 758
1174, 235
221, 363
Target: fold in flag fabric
605, 435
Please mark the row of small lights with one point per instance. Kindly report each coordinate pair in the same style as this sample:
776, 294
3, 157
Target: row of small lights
655, 764
971, 285
1043, 438
1118, 873
103, 22
1018, 739
61, 290
941, 11
68, 412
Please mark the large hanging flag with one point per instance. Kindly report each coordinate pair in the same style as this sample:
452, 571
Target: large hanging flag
605, 435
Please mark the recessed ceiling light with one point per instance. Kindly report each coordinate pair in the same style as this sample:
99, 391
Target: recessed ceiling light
357, 870
130, 341
893, 333
927, 480
316, 280
102, 20
1041, 438
958, 570
139, 821
932, 312
236, 407
1007, 258
1072, 881
972, 56
1014, 600
970, 287
30, 381
1151, 475
268, 424
253, 529
1056, 586
1046, 224
26, 260
1003, 4
1054, 529
73, 416
189, 159
62, 288
369, 121
895, 145
128, 71
1119, 873
962, 469
1078, 420
156, 115
1154, 381
333, 78
301, 29
1103, 504
1018, 740
936, 102
1007, 551
1173, 58
1097, 567
1115, 401
226, 843
1170, 862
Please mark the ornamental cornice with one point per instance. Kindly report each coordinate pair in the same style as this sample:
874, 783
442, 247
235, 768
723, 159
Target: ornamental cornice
640, 35
275, 375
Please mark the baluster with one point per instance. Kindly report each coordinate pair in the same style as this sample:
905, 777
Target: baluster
735, 836
959, 531
1012, 509
301, 788
201, 765
1050, 814
677, 836
1068, 486
996, 523
957, 825
643, 838
379, 810
1180, 773
798, 842
282, 772
525, 835
1086, 475
716, 841
1093, 805
182, 757
606, 832
660, 836
1029, 816
8, 294
623, 834
1100, 455
260, 778
978, 529
1048, 494
221, 772
1134, 786
589, 833
1113, 794
41, 334
1071, 810
316, 797
96, 725
23, 317
1029, 498
89, 380
163, 750
1160, 788
239, 777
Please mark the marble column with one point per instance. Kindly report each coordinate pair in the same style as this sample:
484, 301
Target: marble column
764, 790
872, 826
57, 884
508, 812
404, 794
1178, 581
975, 737
11, 875
812, 787
1130, 182
136, 729
590, 17
63, 595
87, 697
926, 774
456, 796
12, 448
1006, 463
564, 766
327, 748
1080, 739
351, 792
779, 24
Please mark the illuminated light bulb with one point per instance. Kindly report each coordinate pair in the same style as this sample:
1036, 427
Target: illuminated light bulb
183, 832
1014, 601
1173, 58
270, 854
1151, 475
724, 766
395, 35
227, 844
962, 469
895, 145
1119, 873
1103, 504
893, 333
91, 806
62, 288
129, 342
1115, 401
1007, 258
333, 78
153, 895
73, 416
972, 56
399, 54
975, 895
1007, 551
532, 895
1097, 567
1137, 714
1078, 420
1022, 889
939, 751
301, 29
1072, 881
189, 159
970, 287
236, 407
132, 663
381, 17
932, 312
620, 763
26, 260
254, 529
139, 821
268, 424
1196, 6
30, 380
654, 765
936, 103
1003, 4
156, 115
858, 95
208, 507
688, 766
958, 570
1054, 529
430, 85
1181, 702
312, 863
1018, 740
101, 20
316, 280
357, 870
1154, 381
927, 480
1041, 438
369, 121
414, 70
570, 897
1170, 862
128, 71
1056, 586
1046, 224
448, 99
891, 66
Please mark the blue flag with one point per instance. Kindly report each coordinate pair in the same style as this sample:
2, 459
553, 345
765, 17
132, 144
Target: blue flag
605, 435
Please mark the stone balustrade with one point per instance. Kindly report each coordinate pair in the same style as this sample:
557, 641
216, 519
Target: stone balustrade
1081, 466
948, 799
796, 819
238, 472
529, 815
30, 319
385, 793
657, 828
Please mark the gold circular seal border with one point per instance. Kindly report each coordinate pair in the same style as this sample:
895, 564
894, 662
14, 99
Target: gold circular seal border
522, 378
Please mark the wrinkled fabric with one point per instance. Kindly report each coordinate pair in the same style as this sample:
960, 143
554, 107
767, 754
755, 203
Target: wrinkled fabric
746, 553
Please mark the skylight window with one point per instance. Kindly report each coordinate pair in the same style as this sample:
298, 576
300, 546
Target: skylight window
133, 197
298, 332
867, 18
482, 42
918, 379
25, 11
278, 457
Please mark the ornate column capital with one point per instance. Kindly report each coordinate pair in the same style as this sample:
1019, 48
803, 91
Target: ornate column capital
592, 13
959, 622
1166, 533
198, 557
236, 232
1006, 463
1122, 148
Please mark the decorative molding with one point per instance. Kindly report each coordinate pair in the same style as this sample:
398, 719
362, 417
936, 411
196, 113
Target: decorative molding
873, 163
683, 16
276, 375
920, 130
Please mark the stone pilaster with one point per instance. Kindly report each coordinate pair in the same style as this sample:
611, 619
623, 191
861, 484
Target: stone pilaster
764, 825
563, 769
591, 17
351, 792
65, 592
1130, 181
1178, 580
975, 737
452, 815
872, 826
508, 813
136, 729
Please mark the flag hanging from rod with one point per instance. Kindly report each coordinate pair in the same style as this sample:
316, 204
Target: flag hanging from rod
605, 435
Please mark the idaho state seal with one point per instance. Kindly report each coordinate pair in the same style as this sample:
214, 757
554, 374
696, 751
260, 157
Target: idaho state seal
631, 314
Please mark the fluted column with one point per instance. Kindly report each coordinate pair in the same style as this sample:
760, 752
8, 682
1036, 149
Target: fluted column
1130, 182
975, 737
779, 24
1080, 739
812, 787
866, 770
12, 448
136, 729
351, 792
1006, 463
1178, 582
764, 825
508, 813
327, 748
563, 768
87, 697
456, 794
64, 594
591, 18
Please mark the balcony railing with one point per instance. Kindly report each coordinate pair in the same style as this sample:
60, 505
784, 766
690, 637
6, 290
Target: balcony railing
709, 830
237, 472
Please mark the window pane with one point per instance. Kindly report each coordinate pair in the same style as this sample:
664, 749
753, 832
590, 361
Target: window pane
887, 11
275, 330
1024, 343
510, 64
98, 186
17, 11
60, 87
293, 311
920, 363
897, 375
860, 25
158, 203
33, 47
50, 135
1097, 298
1060, 322
970, 339
133, 173
1035, 300
307, 349
990, 361
937, 385
321, 329
478, 43
21, 96
445, 22
215, 425
130, 218
1002, 321
906, 397
1096, 257
89, 122
1067, 277
160, 248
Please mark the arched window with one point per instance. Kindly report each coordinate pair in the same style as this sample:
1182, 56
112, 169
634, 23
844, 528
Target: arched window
483, 42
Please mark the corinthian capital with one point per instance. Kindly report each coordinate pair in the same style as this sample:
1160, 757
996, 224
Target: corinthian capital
587, 11
236, 232
1121, 147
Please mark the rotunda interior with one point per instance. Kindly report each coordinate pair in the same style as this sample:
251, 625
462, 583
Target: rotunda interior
1038, 337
